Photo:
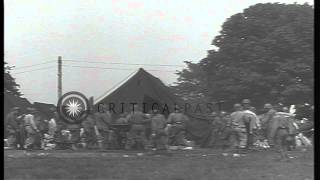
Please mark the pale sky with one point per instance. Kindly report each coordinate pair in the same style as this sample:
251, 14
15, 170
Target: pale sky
125, 31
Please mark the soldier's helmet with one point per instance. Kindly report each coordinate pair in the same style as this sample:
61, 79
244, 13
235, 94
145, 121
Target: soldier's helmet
246, 101
237, 106
267, 106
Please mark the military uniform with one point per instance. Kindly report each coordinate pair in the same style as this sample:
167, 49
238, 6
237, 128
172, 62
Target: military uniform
282, 129
32, 131
75, 134
251, 121
267, 121
89, 131
177, 129
13, 129
159, 135
137, 132
239, 126
102, 123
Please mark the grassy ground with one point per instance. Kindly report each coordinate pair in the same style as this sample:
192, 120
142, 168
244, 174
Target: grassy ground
194, 164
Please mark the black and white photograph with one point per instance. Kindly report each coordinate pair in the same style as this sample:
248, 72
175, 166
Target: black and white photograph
158, 90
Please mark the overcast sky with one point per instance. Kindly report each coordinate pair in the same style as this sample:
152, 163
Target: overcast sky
125, 31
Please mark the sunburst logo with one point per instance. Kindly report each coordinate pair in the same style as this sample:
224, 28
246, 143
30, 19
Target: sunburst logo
73, 107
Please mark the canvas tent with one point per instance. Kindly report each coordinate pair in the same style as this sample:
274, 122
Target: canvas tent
142, 87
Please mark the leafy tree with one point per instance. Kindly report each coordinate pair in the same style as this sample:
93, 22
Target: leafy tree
264, 53
10, 86
190, 85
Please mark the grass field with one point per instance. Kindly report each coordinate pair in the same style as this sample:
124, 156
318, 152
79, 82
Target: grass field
193, 165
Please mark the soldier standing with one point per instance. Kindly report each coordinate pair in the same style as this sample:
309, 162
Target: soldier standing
239, 126
13, 128
158, 133
251, 120
31, 129
75, 135
282, 131
52, 124
177, 130
102, 125
89, 131
267, 121
137, 132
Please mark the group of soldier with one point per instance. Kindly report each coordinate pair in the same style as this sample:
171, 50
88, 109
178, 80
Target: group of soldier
240, 129
275, 127
149, 131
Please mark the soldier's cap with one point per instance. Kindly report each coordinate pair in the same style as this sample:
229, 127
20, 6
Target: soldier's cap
267, 106
246, 101
237, 106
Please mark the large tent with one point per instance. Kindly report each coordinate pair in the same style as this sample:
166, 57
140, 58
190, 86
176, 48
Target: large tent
146, 90
143, 89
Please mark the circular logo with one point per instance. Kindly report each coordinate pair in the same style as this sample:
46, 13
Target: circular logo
73, 107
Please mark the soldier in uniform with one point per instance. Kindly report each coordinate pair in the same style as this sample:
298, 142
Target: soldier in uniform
31, 129
89, 131
282, 132
227, 133
267, 121
75, 135
119, 135
102, 124
177, 128
12, 126
158, 133
239, 126
251, 120
52, 124
137, 132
